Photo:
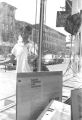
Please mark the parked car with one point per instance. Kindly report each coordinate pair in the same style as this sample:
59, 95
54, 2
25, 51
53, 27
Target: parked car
54, 61
12, 66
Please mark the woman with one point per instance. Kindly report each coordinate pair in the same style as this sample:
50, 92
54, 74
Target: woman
20, 52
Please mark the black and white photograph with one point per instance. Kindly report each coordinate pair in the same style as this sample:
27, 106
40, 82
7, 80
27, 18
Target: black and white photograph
40, 59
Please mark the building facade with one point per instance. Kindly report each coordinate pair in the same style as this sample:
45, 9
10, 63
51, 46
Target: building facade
53, 41
10, 28
7, 22
7, 27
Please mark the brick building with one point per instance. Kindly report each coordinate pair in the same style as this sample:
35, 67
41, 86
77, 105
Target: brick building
53, 41
7, 22
7, 27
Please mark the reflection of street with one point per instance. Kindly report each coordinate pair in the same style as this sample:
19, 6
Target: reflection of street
7, 95
7, 83
8, 87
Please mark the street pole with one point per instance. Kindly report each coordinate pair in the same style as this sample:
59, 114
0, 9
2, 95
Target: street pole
81, 42
40, 34
76, 7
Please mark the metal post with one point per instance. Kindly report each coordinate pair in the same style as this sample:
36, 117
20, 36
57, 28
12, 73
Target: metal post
40, 34
81, 43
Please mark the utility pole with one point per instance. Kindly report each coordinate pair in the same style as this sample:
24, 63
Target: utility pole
81, 42
40, 34
80, 8
77, 7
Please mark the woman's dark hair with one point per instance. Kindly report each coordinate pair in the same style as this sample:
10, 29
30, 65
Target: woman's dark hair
27, 30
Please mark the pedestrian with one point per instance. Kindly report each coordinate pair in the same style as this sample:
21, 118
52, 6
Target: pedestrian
20, 52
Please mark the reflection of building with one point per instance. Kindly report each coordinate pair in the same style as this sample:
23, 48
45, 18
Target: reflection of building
7, 22
7, 27
53, 41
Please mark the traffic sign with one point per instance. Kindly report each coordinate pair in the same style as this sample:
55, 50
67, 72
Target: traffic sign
61, 18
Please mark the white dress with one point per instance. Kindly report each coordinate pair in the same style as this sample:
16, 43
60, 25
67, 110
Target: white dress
21, 53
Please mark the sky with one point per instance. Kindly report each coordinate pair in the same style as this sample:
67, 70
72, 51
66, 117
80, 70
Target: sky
26, 11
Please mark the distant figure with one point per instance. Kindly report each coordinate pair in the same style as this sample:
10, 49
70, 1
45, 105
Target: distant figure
20, 52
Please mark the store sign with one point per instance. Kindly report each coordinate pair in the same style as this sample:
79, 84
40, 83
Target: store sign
76, 96
61, 18
34, 92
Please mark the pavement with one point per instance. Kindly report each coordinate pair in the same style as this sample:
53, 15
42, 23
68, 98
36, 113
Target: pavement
8, 87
